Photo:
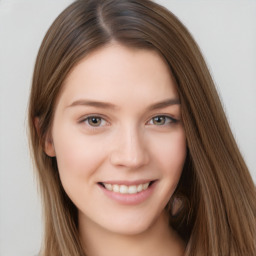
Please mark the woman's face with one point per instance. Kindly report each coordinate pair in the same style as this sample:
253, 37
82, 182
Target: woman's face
118, 138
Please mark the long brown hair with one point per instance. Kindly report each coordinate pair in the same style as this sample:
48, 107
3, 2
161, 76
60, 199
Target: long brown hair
217, 194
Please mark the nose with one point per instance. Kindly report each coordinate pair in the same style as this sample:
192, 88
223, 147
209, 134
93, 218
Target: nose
129, 150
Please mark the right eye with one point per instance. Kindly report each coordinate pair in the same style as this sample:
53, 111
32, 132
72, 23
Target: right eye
94, 121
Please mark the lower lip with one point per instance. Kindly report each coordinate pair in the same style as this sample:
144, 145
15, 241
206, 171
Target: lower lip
130, 199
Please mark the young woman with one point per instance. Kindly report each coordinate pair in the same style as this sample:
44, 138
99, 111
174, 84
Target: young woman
133, 152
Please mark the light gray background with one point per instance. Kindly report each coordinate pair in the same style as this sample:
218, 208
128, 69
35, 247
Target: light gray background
226, 33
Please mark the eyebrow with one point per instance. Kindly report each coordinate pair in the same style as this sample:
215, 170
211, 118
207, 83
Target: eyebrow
165, 103
92, 103
107, 105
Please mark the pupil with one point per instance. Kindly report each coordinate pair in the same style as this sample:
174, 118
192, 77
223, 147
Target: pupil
159, 120
94, 121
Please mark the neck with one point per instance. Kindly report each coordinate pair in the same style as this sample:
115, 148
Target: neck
159, 239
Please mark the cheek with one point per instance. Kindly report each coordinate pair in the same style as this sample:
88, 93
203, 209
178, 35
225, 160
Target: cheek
171, 153
77, 156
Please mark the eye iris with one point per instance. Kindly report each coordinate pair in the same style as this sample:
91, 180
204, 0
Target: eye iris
159, 120
94, 121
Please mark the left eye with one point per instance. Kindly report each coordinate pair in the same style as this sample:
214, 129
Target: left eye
161, 120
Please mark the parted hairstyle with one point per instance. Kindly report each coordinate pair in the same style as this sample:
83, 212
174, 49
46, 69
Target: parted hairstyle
216, 191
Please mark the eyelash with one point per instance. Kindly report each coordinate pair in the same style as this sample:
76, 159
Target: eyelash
86, 120
171, 120
166, 122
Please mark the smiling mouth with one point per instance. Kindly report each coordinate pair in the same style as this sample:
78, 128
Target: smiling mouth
124, 189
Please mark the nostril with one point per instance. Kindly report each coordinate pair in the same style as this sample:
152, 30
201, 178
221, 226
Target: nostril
129, 159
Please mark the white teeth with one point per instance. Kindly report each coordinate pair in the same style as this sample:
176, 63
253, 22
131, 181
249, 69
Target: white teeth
115, 188
123, 189
132, 189
140, 188
108, 186
145, 186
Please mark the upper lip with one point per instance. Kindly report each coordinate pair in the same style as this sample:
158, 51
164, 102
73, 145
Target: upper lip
127, 183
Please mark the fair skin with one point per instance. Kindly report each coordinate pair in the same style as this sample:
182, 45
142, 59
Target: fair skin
120, 145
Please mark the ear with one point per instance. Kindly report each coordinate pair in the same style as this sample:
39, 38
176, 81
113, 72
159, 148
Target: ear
49, 146
48, 143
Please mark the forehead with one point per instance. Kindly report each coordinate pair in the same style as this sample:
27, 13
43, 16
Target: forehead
120, 71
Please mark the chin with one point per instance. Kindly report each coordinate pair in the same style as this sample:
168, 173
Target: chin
132, 230
133, 226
